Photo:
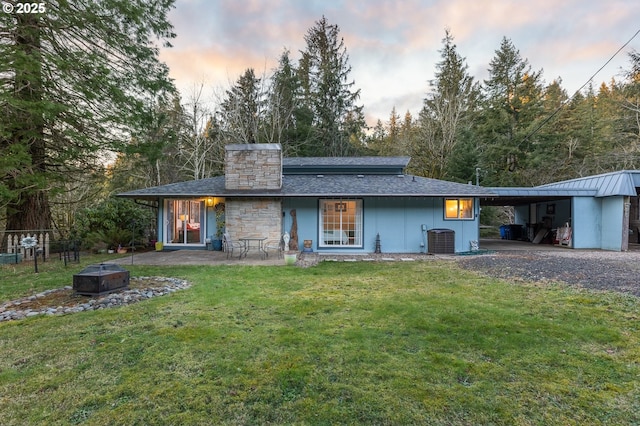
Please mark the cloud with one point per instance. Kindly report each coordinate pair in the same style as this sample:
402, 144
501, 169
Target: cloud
394, 46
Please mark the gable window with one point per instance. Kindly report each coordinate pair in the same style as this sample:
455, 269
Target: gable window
340, 223
458, 208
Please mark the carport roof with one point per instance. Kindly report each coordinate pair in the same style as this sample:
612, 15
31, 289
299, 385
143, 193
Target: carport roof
516, 195
621, 183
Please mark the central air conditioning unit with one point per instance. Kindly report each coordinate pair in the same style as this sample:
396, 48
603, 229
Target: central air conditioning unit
441, 241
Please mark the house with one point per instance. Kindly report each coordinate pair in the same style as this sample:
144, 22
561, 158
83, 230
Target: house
599, 212
346, 205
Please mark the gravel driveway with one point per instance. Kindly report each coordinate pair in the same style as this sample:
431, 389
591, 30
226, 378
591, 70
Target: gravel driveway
598, 270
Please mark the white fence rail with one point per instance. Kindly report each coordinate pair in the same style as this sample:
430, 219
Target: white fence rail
13, 244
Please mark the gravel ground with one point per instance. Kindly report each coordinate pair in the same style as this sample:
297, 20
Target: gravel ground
596, 270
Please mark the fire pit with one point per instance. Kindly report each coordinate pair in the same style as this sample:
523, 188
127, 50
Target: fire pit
100, 279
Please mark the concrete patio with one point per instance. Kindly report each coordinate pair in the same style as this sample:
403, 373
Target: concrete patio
205, 257
196, 257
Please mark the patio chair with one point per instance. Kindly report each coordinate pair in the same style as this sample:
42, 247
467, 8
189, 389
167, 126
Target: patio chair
228, 244
277, 245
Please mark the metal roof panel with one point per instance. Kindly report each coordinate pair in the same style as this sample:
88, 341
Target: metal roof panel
606, 185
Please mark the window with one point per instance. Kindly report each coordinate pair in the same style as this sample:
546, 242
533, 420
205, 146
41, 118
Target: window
340, 223
458, 208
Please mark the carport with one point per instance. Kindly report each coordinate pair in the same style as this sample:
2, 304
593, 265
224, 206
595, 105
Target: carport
540, 211
601, 211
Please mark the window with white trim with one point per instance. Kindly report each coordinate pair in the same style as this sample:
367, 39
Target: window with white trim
340, 223
458, 208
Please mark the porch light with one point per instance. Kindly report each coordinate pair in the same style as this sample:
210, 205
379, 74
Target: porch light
210, 201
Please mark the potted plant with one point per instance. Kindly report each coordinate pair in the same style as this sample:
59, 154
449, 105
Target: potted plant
290, 258
290, 255
220, 222
115, 238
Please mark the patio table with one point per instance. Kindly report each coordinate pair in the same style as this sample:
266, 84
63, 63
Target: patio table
247, 241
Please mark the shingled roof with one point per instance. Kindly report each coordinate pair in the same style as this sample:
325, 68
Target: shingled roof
344, 165
318, 186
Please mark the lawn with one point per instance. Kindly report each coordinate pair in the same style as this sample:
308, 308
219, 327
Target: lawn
339, 343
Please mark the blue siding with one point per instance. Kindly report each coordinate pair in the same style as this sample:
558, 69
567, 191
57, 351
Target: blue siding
587, 222
161, 214
210, 222
397, 220
307, 218
612, 214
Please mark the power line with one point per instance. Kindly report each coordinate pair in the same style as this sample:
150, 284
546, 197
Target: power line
562, 105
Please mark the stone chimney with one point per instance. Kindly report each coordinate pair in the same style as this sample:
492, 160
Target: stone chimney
253, 166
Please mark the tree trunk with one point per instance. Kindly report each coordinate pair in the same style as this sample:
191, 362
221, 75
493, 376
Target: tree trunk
30, 210
31, 213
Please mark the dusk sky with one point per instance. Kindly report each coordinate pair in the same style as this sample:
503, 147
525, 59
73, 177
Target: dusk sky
393, 45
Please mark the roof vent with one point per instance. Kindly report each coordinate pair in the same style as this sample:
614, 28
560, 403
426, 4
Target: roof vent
360, 176
401, 176
320, 176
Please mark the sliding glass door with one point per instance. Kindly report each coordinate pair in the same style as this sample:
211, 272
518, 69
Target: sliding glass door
184, 221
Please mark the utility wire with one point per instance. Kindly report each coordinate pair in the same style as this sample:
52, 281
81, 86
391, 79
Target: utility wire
562, 105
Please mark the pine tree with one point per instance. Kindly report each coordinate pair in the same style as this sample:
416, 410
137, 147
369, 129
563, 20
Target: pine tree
285, 121
242, 108
324, 75
76, 80
552, 149
512, 104
153, 156
447, 110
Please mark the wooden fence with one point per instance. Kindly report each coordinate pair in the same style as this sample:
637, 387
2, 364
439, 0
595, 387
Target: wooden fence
13, 239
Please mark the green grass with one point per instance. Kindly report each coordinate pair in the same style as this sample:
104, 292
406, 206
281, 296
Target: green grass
340, 343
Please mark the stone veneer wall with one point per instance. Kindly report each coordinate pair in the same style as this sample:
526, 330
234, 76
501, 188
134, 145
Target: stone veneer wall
254, 217
253, 166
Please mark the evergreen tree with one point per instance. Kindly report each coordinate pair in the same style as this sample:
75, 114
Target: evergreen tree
447, 110
76, 80
324, 75
378, 137
552, 147
242, 108
584, 143
153, 156
286, 121
511, 108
